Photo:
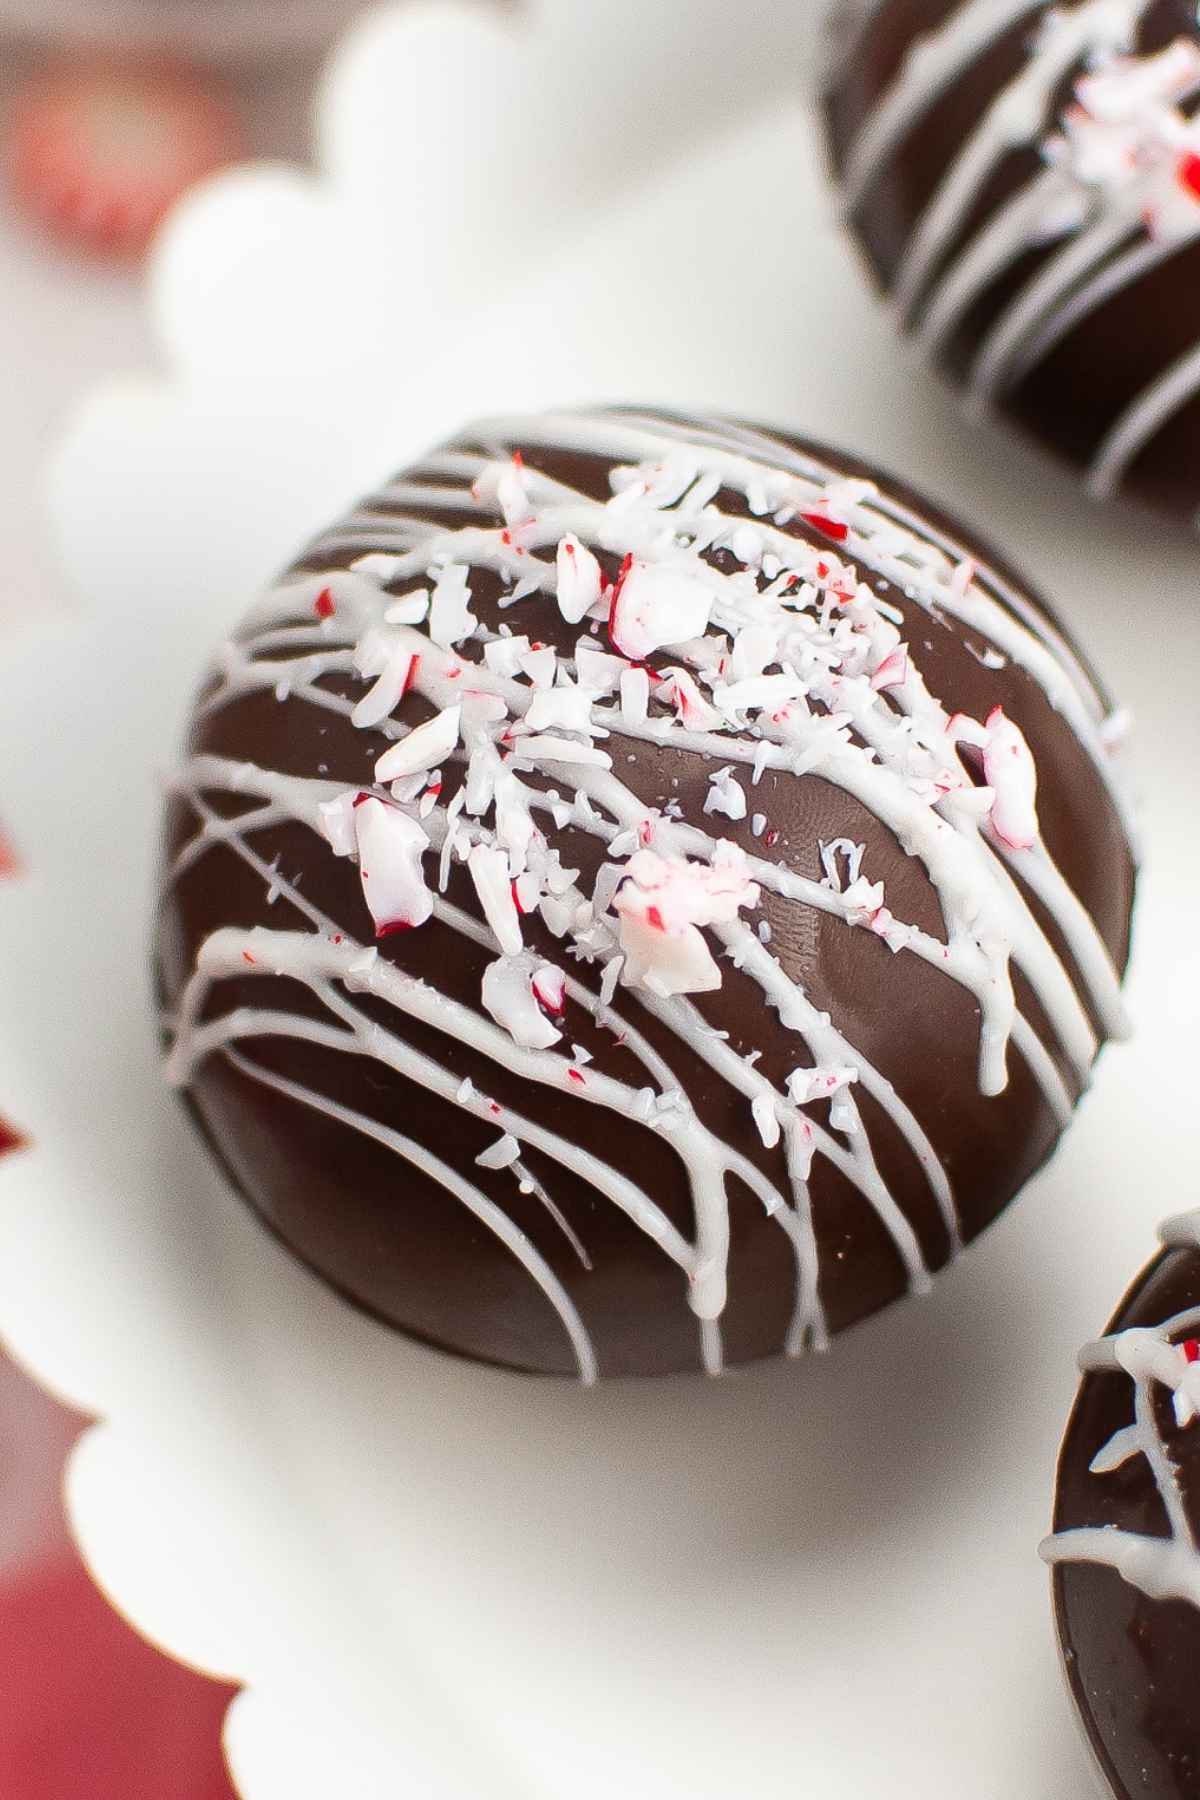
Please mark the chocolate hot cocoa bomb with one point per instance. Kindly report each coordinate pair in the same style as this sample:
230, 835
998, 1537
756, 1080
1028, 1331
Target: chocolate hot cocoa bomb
1126, 1550
1024, 179
642, 893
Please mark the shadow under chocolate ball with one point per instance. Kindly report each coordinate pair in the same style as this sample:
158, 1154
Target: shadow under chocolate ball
641, 893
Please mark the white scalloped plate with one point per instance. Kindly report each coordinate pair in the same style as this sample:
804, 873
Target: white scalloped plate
434, 1579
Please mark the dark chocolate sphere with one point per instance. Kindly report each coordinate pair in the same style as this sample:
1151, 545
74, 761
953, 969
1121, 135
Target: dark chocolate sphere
1127, 1543
640, 895
1024, 179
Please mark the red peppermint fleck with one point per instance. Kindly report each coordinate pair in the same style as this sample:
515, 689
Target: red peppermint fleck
247, 958
323, 605
393, 926
516, 898
771, 838
518, 459
10, 1138
494, 1108
360, 799
1191, 1350
10, 862
550, 996
506, 538
411, 676
654, 919
337, 937
1189, 172
574, 1075
614, 595
832, 528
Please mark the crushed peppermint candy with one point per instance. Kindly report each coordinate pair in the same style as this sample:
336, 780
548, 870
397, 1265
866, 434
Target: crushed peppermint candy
663, 907
489, 869
390, 847
725, 794
654, 606
424, 748
1012, 776
500, 1155
450, 616
580, 580
511, 997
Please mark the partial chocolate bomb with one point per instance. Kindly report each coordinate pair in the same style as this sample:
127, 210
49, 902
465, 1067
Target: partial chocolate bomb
641, 895
1024, 179
1126, 1550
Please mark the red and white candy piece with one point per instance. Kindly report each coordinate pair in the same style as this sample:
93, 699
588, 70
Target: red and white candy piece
512, 995
662, 907
100, 150
579, 580
691, 708
1187, 1394
390, 847
654, 606
1011, 773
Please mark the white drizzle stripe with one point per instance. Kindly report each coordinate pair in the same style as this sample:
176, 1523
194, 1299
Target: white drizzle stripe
932, 64
1162, 1568
318, 964
1119, 214
709, 1161
1015, 118
1039, 303
663, 513
1120, 273
473, 1198
1162, 401
297, 798
918, 557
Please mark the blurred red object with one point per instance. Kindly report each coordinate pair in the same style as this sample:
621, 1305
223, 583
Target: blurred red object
88, 1711
99, 150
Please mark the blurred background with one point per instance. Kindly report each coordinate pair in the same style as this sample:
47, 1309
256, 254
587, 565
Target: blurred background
109, 109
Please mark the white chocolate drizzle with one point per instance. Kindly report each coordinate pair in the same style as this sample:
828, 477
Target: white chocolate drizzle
1117, 193
1165, 1357
787, 663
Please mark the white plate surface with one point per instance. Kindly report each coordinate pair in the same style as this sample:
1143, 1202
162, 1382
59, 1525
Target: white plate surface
438, 1580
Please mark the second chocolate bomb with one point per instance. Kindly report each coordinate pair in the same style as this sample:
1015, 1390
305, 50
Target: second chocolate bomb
1024, 179
643, 891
